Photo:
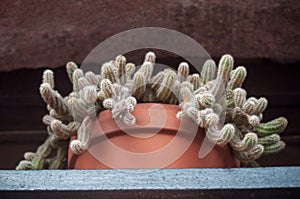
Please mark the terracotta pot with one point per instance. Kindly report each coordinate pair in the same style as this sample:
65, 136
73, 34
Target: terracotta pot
158, 140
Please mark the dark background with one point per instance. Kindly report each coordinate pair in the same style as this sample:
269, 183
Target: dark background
263, 36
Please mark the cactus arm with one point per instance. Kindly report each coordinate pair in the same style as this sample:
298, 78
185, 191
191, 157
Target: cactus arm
196, 81
78, 108
147, 70
80, 145
274, 148
245, 144
54, 99
239, 97
251, 155
269, 139
275, 126
261, 105
208, 71
25, 165
89, 94
207, 87
48, 77
109, 71
63, 131
76, 75
107, 88
38, 163
71, 67
150, 57
129, 68
82, 82
92, 78
237, 77
221, 137
249, 107
149, 95
139, 85
183, 71
121, 64
164, 91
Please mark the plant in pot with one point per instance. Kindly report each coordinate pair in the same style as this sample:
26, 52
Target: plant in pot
103, 107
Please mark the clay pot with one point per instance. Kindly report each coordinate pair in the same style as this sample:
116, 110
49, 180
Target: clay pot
158, 140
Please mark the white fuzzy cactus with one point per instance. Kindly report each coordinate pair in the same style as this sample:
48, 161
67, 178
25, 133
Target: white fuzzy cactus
120, 87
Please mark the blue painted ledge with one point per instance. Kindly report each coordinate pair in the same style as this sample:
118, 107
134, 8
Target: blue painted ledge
279, 181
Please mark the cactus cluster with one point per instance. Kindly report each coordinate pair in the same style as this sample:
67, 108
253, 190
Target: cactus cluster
206, 98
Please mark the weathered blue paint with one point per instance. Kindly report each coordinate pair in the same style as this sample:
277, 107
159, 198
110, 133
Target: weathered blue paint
160, 179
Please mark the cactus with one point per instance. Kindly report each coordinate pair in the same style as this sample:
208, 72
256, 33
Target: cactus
149, 95
207, 87
186, 95
92, 78
108, 103
48, 77
183, 71
121, 63
208, 71
225, 68
261, 106
239, 97
237, 77
275, 126
147, 70
82, 82
150, 57
89, 94
253, 120
249, 107
38, 163
239, 117
247, 143
107, 88
63, 131
77, 74
109, 71
269, 139
54, 99
25, 165
29, 155
78, 107
205, 100
210, 120
119, 88
79, 145
196, 81
249, 156
221, 137
164, 91
139, 85
129, 68
156, 81
274, 148
229, 98
71, 67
